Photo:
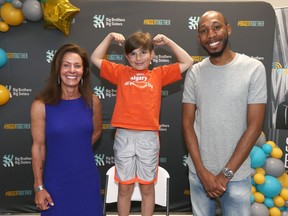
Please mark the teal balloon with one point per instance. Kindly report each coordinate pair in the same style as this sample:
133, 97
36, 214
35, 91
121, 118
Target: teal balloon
270, 188
267, 148
253, 182
257, 156
252, 199
268, 202
3, 58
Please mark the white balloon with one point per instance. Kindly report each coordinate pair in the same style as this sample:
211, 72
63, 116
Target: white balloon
32, 10
17, 4
274, 167
261, 140
259, 209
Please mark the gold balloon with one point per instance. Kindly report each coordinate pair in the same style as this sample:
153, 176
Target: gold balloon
10, 15
58, 14
4, 27
4, 95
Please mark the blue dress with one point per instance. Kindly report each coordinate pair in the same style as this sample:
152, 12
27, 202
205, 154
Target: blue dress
71, 175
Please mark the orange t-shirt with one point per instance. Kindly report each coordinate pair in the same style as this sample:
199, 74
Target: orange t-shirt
138, 98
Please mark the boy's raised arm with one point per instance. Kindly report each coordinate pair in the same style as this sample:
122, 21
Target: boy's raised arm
185, 60
100, 51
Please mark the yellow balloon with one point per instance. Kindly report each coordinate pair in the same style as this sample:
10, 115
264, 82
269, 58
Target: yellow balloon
260, 170
279, 201
259, 197
259, 178
274, 211
59, 14
10, 15
253, 189
284, 193
276, 153
271, 143
4, 27
4, 95
284, 180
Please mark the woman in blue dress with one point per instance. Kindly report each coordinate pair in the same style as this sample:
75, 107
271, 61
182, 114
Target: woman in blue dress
66, 120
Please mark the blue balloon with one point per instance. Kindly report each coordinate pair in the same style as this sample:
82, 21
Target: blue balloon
3, 58
252, 199
258, 157
267, 148
271, 187
253, 182
268, 202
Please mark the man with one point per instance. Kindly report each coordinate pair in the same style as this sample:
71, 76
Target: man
224, 103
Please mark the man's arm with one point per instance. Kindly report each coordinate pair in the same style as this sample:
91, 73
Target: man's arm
255, 119
190, 136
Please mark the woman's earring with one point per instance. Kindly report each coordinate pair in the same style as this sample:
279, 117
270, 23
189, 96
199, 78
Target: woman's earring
58, 80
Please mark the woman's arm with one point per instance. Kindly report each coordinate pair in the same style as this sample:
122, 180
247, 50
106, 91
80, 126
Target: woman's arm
42, 197
97, 119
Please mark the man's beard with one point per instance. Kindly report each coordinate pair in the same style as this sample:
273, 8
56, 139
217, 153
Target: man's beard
218, 53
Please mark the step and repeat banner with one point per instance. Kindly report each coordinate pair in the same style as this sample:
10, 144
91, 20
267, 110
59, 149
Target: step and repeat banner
30, 48
278, 106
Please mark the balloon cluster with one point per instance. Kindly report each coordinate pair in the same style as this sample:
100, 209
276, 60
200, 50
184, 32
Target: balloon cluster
4, 92
56, 13
269, 180
14, 12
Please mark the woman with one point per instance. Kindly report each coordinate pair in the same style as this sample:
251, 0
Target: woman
66, 119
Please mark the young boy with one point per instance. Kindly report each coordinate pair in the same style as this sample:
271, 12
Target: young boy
137, 110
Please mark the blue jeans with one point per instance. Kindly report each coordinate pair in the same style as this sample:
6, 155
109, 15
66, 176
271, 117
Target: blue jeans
234, 202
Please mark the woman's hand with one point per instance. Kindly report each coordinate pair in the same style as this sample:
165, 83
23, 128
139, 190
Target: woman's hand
43, 200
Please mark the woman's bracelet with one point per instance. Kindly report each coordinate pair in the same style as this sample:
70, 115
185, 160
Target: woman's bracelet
39, 188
